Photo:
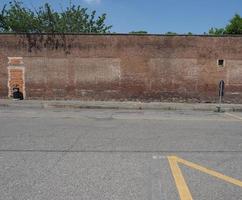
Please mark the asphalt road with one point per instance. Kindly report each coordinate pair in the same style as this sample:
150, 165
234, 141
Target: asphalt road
119, 155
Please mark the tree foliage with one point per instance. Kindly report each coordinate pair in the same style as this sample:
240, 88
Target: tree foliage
170, 33
234, 27
216, 31
14, 17
138, 32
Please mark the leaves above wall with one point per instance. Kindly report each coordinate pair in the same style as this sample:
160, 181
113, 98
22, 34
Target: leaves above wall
234, 27
14, 17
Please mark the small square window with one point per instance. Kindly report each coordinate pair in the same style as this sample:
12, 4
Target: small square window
220, 63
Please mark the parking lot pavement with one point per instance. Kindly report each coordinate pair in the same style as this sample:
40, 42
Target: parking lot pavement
119, 154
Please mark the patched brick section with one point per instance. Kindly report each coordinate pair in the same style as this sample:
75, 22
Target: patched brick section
123, 67
96, 70
16, 75
15, 61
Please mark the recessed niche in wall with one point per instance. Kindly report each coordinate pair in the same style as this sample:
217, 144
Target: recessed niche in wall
220, 63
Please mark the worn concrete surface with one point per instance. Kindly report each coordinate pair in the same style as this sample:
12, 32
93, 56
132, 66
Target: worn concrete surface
60, 154
131, 105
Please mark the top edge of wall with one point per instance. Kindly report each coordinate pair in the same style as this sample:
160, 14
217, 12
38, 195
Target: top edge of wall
120, 34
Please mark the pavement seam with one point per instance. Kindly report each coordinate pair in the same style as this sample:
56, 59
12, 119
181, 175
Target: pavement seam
234, 116
109, 151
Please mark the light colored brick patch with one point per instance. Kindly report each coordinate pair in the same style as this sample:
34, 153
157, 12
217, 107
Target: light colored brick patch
15, 61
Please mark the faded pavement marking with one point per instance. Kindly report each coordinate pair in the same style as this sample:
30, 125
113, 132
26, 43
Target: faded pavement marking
234, 116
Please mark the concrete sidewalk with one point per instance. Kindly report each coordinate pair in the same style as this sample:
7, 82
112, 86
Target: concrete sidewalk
117, 105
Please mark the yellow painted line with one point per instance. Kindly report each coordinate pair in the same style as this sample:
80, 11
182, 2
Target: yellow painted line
181, 185
211, 172
179, 179
234, 116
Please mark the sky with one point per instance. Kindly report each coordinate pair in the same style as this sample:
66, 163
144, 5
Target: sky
156, 16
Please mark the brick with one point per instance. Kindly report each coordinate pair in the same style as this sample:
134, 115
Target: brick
124, 67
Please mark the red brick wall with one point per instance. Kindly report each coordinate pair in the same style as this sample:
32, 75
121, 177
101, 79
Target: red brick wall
125, 67
16, 79
16, 76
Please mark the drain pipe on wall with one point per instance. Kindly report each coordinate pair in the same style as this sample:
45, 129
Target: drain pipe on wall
221, 94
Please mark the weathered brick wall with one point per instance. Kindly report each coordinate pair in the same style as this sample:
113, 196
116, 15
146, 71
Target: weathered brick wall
125, 67
16, 75
16, 79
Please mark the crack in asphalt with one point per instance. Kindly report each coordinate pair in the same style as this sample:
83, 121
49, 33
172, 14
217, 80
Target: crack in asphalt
110, 151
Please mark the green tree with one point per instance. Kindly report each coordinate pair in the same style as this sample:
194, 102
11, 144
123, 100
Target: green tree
170, 33
14, 17
216, 31
234, 27
138, 32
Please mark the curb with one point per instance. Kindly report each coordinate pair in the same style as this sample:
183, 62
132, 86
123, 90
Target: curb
118, 105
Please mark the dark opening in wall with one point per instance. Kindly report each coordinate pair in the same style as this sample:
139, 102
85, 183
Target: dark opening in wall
220, 63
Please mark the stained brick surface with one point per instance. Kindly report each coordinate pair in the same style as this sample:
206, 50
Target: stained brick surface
124, 67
